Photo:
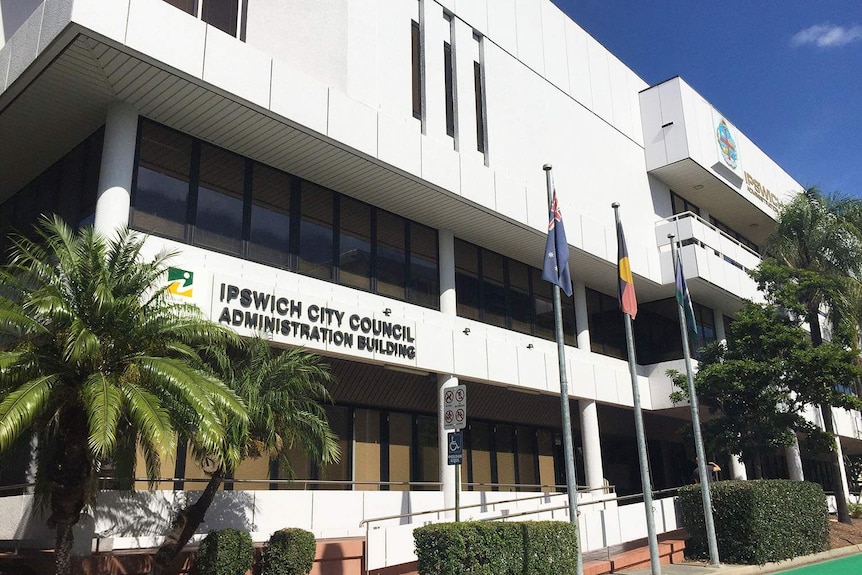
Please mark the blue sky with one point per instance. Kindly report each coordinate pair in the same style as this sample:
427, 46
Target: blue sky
787, 73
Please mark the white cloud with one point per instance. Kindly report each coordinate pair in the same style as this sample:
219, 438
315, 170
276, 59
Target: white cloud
828, 36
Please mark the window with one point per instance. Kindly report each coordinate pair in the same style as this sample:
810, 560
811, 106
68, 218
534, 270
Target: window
191, 191
680, 205
354, 244
161, 192
424, 288
269, 234
467, 287
499, 291
220, 196
607, 332
449, 88
222, 14
391, 255
416, 50
479, 95
315, 231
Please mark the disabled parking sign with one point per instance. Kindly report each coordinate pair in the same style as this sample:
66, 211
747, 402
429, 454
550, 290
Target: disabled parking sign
455, 447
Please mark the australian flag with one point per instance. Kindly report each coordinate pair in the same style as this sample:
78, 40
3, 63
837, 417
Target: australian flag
556, 266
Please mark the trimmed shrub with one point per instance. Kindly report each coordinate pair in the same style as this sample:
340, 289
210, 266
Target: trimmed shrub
289, 552
549, 547
758, 521
225, 552
527, 548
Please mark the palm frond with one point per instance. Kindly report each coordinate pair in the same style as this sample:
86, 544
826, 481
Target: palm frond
21, 407
103, 402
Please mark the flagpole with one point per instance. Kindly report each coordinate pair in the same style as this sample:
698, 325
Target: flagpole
568, 449
695, 419
655, 565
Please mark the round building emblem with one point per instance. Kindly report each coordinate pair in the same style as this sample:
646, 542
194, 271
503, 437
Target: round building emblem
727, 145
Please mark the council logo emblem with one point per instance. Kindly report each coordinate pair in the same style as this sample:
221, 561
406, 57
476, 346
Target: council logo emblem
727, 145
180, 282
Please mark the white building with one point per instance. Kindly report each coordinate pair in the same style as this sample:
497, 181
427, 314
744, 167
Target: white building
377, 165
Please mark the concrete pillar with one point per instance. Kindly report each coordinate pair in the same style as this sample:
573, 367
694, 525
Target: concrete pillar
115, 174
842, 481
794, 461
737, 468
718, 320
593, 468
448, 306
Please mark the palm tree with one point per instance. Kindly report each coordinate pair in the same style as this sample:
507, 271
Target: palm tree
284, 391
99, 360
817, 252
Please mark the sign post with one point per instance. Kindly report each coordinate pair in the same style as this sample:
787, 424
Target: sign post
455, 418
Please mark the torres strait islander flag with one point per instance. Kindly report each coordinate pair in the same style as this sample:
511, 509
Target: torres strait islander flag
628, 302
683, 298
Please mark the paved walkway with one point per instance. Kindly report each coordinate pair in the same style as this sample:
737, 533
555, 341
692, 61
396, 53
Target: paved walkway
705, 569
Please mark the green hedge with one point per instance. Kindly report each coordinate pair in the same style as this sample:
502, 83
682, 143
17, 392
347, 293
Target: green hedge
758, 521
289, 552
525, 548
225, 552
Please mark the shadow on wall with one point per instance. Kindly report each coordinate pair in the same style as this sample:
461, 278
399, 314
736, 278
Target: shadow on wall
137, 514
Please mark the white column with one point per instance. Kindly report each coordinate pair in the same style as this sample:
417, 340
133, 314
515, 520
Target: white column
737, 468
448, 306
588, 411
593, 469
115, 174
794, 461
718, 320
842, 481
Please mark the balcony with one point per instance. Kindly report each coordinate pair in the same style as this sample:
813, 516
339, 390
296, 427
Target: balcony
710, 255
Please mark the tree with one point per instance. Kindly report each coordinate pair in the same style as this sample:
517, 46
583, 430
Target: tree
100, 361
760, 382
816, 264
284, 391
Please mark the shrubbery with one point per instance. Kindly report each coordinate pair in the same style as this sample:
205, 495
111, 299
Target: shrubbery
527, 548
758, 521
289, 552
225, 552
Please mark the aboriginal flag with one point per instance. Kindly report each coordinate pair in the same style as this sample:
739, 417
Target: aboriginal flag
628, 302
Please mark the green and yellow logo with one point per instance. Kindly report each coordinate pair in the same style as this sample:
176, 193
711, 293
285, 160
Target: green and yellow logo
180, 282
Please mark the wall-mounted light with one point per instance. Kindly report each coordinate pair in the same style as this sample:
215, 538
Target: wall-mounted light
529, 346
466, 331
387, 312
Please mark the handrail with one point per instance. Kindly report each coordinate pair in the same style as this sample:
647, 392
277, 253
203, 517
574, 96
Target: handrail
584, 489
683, 215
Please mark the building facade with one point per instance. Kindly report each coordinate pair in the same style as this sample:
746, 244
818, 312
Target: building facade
365, 179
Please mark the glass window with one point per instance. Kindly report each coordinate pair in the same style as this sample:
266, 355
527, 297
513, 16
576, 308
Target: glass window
218, 223
269, 236
424, 272
427, 461
493, 288
467, 286
416, 52
391, 257
449, 88
607, 332
221, 14
315, 231
354, 260
567, 309
505, 447
400, 440
480, 455
704, 317
520, 305
527, 468
543, 305
162, 185
340, 423
184, 5
657, 336
480, 107
366, 450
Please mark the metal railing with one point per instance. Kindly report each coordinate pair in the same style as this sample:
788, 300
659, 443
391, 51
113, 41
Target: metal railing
701, 243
